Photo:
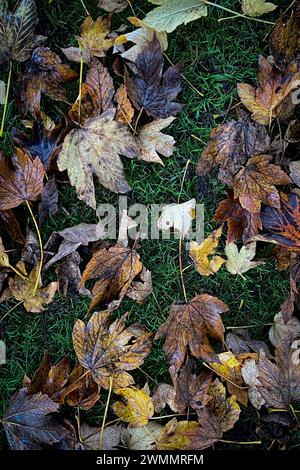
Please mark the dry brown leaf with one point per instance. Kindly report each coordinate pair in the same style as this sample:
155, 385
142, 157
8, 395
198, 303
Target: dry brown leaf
81, 390
124, 109
139, 291
91, 436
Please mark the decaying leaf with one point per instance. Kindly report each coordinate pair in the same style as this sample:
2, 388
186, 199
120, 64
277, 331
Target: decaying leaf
172, 13
124, 110
45, 73
205, 260
152, 141
142, 438
114, 269
113, 6
137, 409
294, 168
287, 308
174, 435
91, 436
81, 390
68, 273
23, 290
279, 383
239, 262
164, 395
106, 351
189, 327
268, 100
239, 341
255, 183
96, 148
152, 90
21, 182
17, 38
93, 40
4, 259
10, 223
280, 329
29, 423
49, 200
177, 216
250, 376
139, 291
256, 8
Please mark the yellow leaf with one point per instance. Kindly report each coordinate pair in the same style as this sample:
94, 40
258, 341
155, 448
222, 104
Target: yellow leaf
200, 254
173, 435
137, 409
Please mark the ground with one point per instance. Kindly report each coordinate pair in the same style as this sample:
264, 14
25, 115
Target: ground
214, 57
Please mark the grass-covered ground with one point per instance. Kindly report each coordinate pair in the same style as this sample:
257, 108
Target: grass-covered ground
215, 56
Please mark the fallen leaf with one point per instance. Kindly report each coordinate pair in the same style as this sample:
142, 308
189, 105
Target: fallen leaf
68, 273
250, 376
172, 13
81, 390
137, 409
174, 435
113, 6
29, 423
17, 38
103, 348
287, 308
142, 438
151, 141
9, 222
255, 183
145, 89
239, 341
164, 395
139, 291
114, 268
226, 409
21, 183
279, 383
239, 262
230, 146
93, 40
294, 168
268, 100
91, 435
96, 148
45, 73
124, 109
280, 329
23, 290
4, 259
49, 200
177, 216
205, 260
257, 8
189, 327
96, 93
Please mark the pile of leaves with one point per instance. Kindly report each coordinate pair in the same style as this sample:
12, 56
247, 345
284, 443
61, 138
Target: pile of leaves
121, 110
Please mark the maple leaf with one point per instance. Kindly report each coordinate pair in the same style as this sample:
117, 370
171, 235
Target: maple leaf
22, 183
137, 409
93, 40
255, 183
279, 383
230, 146
24, 290
124, 109
172, 13
257, 8
189, 326
29, 424
239, 221
239, 262
285, 40
105, 349
44, 73
151, 141
114, 268
145, 89
177, 216
43, 143
174, 435
240, 341
200, 254
91, 437
113, 6
268, 100
96, 148
142, 438
17, 38
81, 390
283, 222
96, 93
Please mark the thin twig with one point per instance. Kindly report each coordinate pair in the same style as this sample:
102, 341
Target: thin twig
106, 411
85, 8
6, 99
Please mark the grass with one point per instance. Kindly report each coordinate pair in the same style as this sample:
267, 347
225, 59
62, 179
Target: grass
214, 56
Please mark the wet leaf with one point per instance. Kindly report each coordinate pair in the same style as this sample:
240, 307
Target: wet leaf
177, 216
239, 262
280, 329
205, 260
137, 409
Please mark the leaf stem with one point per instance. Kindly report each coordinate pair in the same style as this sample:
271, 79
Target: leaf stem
80, 82
106, 411
240, 442
235, 13
18, 273
6, 99
41, 248
85, 8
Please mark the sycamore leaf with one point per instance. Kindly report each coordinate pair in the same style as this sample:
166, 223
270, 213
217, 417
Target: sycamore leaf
174, 435
150, 89
124, 109
239, 262
257, 8
189, 327
279, 383
23, 290
268, 100
96, 148
114, 6
114, 268
91, 435
81, 390
22, 183
255, 183
44, 74
17, 38
137, 409
177, 216
109, 350
49, 201
96, 93
139, 291
152, 141
282, 328
142, 438
200, 254
172, 13
29, 423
